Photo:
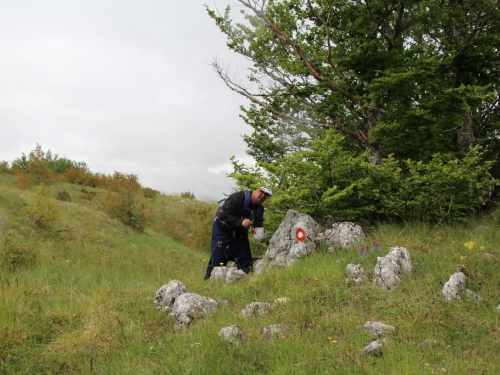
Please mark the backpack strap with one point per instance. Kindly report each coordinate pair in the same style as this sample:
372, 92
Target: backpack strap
246, 203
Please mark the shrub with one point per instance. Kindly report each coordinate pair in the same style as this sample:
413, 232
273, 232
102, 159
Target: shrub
123, 203
4, 167
43, 211
150, 193
187, 194
16, 251
64, 196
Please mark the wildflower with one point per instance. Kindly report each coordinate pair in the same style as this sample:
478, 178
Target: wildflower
470, 245
221, 264
204, 260
375, 245
333, 341
482, 248
361, 251
462, 257
316, 278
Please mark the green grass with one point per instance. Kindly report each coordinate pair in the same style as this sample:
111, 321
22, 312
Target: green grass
85, 304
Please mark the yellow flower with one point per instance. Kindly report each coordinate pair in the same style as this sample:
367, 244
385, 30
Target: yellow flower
462, 257
470, 245
334, 341
221, 264
482, 248
204, 260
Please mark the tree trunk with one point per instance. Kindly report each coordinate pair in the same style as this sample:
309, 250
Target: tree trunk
465, 133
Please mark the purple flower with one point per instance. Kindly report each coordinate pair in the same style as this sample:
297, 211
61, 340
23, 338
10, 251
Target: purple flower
376, 245
361, 251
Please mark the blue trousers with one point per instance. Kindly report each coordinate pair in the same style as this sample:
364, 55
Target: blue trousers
227, 248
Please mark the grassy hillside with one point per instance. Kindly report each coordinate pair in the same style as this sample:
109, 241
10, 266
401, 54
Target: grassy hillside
77, 297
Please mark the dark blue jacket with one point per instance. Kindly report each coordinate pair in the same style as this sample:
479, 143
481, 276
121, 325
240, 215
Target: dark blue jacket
231, 214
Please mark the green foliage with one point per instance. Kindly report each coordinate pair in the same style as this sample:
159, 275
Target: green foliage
414, 83
17, 251
150, 193
42, 212
334, 178
188, 194
64, 196
4, 167
124, 203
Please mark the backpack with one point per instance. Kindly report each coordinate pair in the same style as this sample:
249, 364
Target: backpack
246, 202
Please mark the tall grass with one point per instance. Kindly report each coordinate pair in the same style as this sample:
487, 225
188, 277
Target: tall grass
86, 304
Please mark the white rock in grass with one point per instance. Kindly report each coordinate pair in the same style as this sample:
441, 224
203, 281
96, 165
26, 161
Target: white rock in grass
378, 329
275, 330
166, 295
228, 274
473, 295
374, 347
232, 334
190, 306
389, 270
454, 286
257, 309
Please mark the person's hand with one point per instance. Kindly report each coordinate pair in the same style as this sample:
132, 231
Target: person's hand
246, 223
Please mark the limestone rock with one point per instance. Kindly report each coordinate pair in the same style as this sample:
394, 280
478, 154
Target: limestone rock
295, 238
257, 309
389, 270
342, 236
166, 295
354, 274
374, 347
190, 306
378, 329
275, 331
454, 286
228, 274
232, 334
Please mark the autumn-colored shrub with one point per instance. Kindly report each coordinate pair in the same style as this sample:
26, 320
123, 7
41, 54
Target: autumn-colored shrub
124, 203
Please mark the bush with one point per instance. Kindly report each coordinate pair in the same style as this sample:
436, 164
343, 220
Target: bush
43, 211
64, 196
123, 203
16, 252
150, 193
187, 194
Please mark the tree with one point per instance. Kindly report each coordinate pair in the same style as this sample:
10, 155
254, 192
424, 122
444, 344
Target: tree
354, 104
408, 78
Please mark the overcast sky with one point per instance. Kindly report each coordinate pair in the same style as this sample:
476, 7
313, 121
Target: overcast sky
123, 86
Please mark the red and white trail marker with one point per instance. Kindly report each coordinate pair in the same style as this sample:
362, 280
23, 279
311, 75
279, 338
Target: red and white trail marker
300, 234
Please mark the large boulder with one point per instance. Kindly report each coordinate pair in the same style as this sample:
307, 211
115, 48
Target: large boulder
389, 270
342, 236
294, 239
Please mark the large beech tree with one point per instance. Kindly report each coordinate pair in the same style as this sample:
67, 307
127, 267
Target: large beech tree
406, 78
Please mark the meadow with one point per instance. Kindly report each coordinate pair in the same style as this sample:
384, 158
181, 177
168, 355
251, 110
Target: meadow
77, 296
